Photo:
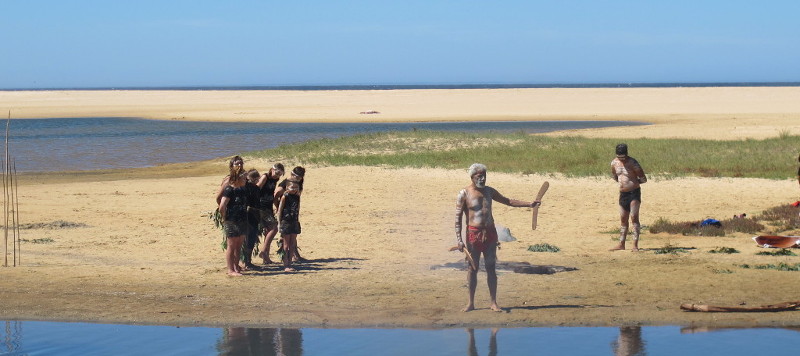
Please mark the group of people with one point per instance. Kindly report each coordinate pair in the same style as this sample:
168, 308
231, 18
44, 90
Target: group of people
253, 205
475, 203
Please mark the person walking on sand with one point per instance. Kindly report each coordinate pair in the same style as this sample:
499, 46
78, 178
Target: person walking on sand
630, 175
475, 201
289, 222
269, 225
233, 211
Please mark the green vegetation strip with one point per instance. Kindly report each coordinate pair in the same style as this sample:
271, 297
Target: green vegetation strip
523, 153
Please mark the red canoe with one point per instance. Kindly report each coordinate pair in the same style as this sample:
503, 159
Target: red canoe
777, 241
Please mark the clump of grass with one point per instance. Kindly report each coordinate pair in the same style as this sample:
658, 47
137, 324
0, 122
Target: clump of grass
722, 271
669, 249
45, 240
782, 266
781, 252
784, 134
783, 217
727, 250
543, 247
746, 225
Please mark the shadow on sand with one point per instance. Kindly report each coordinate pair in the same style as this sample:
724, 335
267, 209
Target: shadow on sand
309, 265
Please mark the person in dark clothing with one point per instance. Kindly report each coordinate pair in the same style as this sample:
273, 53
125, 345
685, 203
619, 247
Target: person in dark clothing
629, 174
289, 222
298, 175
233, 211
253, 218
267, 222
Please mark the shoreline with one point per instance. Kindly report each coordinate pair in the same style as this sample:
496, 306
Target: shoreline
150, 255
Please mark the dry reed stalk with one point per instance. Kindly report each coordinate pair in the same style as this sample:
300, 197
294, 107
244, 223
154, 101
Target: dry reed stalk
18, 255
5, 197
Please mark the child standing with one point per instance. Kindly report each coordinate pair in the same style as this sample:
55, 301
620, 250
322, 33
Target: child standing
289, 221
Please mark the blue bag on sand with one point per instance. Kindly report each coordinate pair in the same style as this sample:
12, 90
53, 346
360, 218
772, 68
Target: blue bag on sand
712, 222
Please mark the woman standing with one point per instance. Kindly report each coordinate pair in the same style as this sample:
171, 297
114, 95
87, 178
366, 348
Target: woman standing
298, 176
289, 221
233, 210
267, 184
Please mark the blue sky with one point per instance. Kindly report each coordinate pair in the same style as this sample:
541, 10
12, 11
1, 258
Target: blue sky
47, 44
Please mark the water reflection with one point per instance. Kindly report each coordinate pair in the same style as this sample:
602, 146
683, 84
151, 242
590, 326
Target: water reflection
54, 338
12, 337
473, 351
629, 342
260, 341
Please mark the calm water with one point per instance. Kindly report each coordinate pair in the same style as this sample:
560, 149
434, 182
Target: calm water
51, 338
99, 143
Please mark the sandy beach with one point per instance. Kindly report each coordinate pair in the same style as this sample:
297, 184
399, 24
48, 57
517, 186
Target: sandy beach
143, 250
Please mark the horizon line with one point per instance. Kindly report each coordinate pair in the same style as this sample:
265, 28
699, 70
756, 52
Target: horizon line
422, 86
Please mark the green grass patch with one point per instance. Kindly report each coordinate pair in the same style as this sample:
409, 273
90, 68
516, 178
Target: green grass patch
781, 252
523, 153
543, 247
727, 250
783, 266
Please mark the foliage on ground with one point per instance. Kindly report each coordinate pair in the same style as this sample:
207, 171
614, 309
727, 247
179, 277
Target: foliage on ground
781, 252
782, 266
543, 247
672, 250
727, 250
44, 240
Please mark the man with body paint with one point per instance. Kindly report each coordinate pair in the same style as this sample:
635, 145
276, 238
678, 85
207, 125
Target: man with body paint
627, 171
475, 201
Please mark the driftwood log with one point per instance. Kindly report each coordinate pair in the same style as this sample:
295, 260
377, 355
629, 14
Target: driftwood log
764, 308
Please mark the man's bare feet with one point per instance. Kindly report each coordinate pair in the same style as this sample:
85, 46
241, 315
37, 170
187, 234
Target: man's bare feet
289, 269
468, 308
617, 248
495, 308
635, 249
234, 274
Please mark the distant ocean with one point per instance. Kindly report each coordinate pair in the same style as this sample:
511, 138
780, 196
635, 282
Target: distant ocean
436, 86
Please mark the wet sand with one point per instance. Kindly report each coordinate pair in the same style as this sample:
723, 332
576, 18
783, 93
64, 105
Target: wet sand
149, 254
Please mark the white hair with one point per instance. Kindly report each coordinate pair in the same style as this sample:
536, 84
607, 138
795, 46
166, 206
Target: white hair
475, 167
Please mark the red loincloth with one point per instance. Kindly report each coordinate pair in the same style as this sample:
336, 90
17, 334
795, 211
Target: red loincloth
482, 238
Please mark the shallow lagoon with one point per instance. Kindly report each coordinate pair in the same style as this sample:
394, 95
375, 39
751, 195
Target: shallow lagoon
100, 143
48, 338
